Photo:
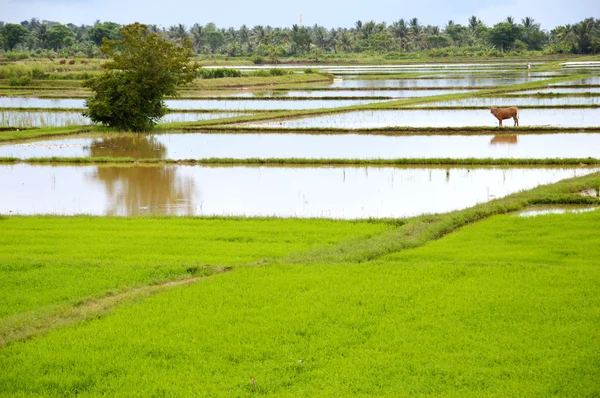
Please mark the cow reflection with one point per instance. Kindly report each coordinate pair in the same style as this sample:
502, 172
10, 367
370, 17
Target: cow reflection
504, 139
147, 189
139, 146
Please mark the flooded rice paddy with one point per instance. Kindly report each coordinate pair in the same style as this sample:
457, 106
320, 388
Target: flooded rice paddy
63, 118
184, 104
441, 83
333, 192
517, 101
441, 118
180, 146
562, 90
346, 93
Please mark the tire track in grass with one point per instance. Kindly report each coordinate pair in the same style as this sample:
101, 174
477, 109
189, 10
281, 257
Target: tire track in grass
22, 327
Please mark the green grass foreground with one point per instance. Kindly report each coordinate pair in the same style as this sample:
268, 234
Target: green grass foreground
50, 263
505, 306
434, 305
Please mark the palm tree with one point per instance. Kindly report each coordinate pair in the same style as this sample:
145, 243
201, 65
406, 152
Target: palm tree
400, 30
528, 23
198, 36
320, 37
178, 33
41, 34
334, 36
474, 23
581, 35
510, 20
345, 41
258, 34
416, 32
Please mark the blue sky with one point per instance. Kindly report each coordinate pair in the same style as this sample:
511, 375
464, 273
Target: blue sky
330, 13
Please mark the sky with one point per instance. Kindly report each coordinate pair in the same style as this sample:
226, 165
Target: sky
277, 13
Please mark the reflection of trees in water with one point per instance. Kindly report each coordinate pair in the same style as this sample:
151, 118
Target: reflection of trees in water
138, 190
504, 139
138, 146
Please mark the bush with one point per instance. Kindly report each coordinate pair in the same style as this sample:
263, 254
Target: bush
217, 73
257, 60
13, 56
270, 72
38, 74
19, 81
308, 70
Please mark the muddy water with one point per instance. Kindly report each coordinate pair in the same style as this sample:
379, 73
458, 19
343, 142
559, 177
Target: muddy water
518, 101
200, 104
442, 118
343, 192
59, 118
352, 146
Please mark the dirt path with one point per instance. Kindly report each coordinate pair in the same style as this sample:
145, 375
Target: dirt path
22, 327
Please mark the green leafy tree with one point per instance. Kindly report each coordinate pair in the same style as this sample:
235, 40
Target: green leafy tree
59, 36
99, 31
13, 35
144, 69
504, 34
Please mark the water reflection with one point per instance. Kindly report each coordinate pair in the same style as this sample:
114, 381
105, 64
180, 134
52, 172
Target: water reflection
139, 146
311, 146
332, 192
504, 139
145, 190
441, 118
66, 118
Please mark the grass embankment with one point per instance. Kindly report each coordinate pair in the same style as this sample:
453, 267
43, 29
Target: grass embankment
315, 162
505, 306
48, 265
7, 135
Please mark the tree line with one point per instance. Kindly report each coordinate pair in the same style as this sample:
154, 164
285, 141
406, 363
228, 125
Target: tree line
49, 39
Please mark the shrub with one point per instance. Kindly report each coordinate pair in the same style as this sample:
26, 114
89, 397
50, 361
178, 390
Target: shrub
19, 81
13, 56
38, 74
217, 73
257, 60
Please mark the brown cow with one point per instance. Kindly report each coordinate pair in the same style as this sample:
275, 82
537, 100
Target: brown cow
506, 113
63, 61
71, 62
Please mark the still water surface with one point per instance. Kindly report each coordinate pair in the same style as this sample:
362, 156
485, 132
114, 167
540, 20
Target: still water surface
442, 118
332, 192
517, 101
351, 146
200, 104
64, 118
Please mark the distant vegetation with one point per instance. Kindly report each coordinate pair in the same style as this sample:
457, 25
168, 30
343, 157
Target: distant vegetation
403, 38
